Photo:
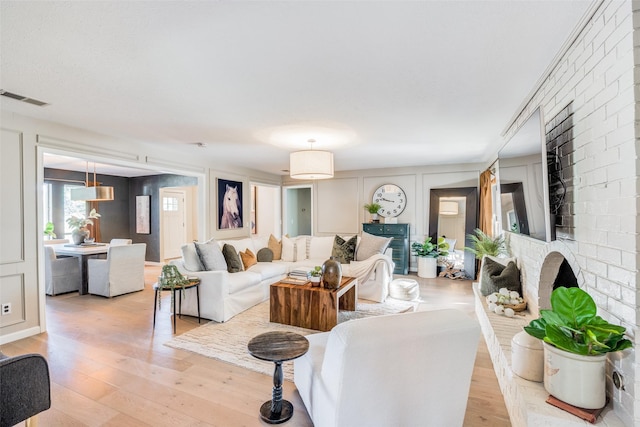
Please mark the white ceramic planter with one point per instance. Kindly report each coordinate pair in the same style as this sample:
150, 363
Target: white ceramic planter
527, 357
575, 379
427, 267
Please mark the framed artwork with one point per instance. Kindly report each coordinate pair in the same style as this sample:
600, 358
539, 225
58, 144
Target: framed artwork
229, 204
143, 215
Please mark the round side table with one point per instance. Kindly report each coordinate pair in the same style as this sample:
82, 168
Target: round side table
193, 283
277, 347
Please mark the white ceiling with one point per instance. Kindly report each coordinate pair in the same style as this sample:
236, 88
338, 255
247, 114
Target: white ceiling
382, 84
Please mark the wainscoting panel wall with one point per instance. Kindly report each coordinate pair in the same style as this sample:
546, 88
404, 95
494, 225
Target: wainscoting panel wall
337, 207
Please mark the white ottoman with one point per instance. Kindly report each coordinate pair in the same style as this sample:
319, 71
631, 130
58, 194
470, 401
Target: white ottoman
404, 289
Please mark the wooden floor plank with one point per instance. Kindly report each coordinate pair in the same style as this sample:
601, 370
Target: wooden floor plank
110, 367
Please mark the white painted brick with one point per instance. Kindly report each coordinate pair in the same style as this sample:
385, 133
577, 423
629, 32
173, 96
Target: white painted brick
607, 94
628, 223
619, 103
607, 157
608, 222
621, 275
623, 206
609, 255
620, 135
623, 241
622, 311
629, 295
595, 176
627, 115
587, 249
596, 267
621, 34
608, 287
598, 86
629, 260
621, 170
605, 126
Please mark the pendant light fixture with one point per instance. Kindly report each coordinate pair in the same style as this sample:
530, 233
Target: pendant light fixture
92, 193
311, 164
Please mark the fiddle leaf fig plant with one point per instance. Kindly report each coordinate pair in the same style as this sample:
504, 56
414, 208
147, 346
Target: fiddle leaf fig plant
572, 325
429, 249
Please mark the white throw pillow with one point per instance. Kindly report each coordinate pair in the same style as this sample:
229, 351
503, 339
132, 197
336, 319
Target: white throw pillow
211, 256
301, 248
371, 245
320, 247
190, 257
288, 249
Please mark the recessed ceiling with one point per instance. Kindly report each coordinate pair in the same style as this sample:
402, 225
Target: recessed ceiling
402, 83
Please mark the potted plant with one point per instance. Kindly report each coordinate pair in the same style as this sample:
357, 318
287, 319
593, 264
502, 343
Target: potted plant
373, 209
576, 342
428, 254
315, 275
48, 230
483, 244
79, 230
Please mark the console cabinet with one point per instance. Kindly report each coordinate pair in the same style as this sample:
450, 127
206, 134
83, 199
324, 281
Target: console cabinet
400, 242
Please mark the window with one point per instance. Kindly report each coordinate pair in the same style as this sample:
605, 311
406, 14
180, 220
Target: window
72, 208
169, 204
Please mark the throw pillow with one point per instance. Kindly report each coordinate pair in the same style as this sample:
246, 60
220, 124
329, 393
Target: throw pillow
275, 246
265, 255
234, 264
495, 276
288, 249
371, 245
248, 258
190, 258
344, 250
210, 256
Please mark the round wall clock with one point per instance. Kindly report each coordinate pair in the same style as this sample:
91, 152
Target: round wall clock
391, 198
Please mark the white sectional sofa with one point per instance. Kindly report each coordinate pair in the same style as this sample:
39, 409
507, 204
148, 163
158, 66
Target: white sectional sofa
224, 294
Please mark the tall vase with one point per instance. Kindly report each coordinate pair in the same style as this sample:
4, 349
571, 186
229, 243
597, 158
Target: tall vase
331, 273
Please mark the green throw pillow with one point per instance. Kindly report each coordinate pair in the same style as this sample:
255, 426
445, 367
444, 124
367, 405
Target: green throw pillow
344, 251
265, 255
234, 263
495, 276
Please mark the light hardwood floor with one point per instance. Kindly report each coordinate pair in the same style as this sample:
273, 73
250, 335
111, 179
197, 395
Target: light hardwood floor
110, 368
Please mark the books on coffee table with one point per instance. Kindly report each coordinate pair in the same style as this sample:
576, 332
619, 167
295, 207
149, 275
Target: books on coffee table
294, 280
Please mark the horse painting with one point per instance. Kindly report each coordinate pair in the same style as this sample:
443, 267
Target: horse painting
231, 216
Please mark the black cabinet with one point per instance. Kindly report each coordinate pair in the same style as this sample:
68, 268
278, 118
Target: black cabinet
400, 242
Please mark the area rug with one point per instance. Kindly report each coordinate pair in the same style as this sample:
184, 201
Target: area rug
228, 341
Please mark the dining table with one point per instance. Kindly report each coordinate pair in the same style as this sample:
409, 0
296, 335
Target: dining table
83, 252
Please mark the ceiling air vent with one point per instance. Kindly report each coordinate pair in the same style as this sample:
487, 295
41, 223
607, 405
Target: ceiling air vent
22, 98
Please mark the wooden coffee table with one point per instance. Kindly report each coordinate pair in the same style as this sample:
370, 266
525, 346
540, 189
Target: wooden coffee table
311, 307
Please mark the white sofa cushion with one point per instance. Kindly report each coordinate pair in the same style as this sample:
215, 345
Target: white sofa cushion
320, 247
301, 243
268, 270
243, 280
288, 249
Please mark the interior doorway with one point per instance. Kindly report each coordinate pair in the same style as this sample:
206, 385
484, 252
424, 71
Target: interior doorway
173, 222
266, 209
297, 216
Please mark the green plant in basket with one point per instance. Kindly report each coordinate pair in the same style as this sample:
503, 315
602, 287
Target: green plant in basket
429, 249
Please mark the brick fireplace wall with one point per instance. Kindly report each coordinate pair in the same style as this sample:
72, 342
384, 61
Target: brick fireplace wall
595, 77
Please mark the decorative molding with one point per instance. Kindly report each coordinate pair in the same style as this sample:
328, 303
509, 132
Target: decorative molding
61, 144
187, 167
20, 177
25, 333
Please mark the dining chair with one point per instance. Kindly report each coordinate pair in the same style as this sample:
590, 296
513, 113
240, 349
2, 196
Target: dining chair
117, 242
120, 273
61, 275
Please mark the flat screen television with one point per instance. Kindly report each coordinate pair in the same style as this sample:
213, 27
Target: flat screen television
523, 181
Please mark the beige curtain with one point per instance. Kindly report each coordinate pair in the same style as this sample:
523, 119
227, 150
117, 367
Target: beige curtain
485, 202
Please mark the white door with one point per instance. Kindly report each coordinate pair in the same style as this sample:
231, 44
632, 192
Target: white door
173, 229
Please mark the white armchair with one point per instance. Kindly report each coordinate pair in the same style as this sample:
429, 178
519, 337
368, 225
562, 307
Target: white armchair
397, 370
120, 273
61, 274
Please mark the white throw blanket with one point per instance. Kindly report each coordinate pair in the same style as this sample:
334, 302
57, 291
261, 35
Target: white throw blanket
363, 270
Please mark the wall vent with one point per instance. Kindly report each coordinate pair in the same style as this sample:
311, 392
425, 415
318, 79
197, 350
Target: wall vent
22, 98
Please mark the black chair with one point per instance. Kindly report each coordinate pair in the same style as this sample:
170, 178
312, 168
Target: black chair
25, 388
